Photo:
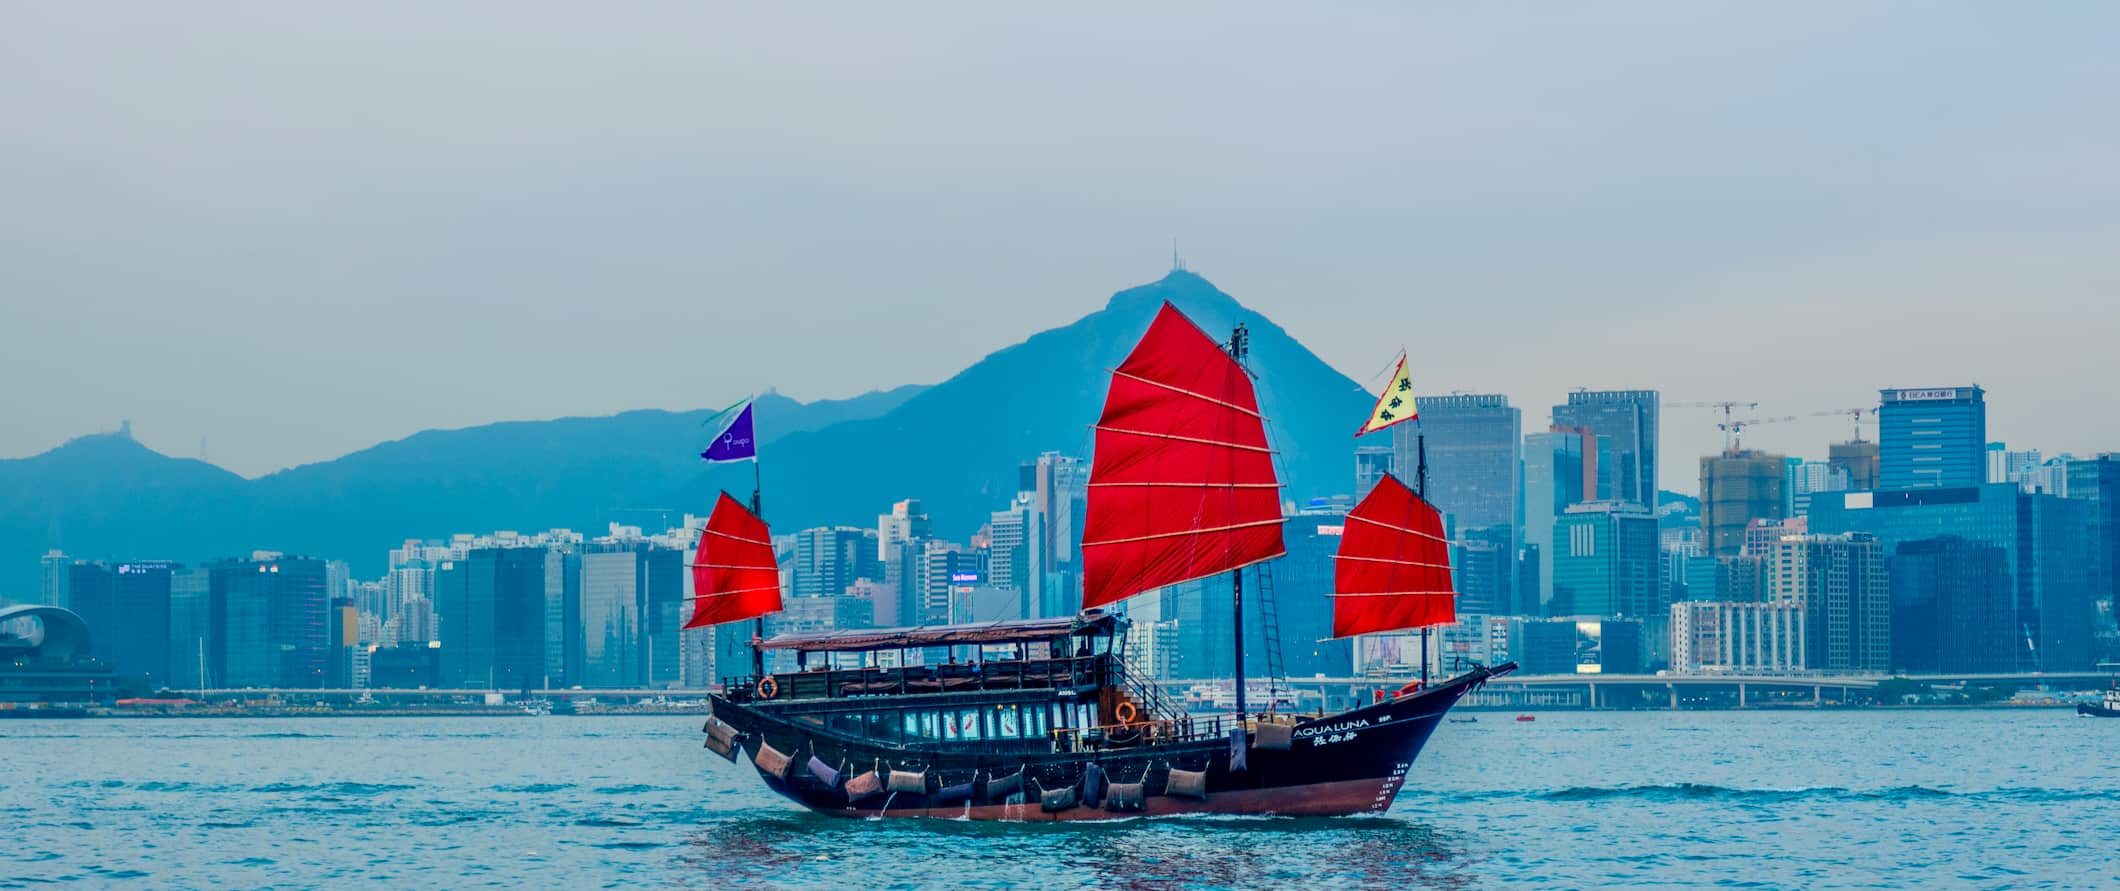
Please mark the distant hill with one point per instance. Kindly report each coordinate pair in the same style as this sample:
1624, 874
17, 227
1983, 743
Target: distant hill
955, 445
109, 497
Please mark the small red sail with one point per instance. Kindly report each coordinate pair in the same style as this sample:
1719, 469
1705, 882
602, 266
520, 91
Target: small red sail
1393, 568
1182, 484
735, 575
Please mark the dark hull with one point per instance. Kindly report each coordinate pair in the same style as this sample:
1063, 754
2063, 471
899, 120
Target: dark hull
2096, 711
1350, 763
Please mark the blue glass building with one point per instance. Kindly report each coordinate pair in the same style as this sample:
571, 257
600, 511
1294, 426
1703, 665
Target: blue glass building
1932, 439
1980, 571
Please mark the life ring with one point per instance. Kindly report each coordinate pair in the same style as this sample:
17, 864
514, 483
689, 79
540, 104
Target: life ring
1408, 690
768, 688
1126, 713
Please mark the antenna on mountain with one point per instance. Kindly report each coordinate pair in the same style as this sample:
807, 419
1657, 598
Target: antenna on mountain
1177, 264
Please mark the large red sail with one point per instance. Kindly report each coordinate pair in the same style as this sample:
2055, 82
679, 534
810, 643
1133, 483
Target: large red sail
735, 575
1182, 483
1393, 569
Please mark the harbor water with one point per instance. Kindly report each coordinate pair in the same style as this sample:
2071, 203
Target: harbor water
1901, 798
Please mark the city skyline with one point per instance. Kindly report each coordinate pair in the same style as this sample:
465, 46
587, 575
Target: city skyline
1556, 198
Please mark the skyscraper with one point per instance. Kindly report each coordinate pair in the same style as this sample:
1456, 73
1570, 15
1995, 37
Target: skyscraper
1839, 581
139, 642
2096, 481
1474, 444
1630, 418
1737, 487
906, 522
2007, 570
829, 558
610, 619
58, 576
1474, 451
502, 617
1553, 480
1015, 550
1858, 459
1932, 439
1371, 463
1607, 561
270, 615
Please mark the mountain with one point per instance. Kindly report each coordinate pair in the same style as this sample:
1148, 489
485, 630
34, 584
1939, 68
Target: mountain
955, 445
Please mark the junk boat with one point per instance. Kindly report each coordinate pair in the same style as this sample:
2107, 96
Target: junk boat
1045, 719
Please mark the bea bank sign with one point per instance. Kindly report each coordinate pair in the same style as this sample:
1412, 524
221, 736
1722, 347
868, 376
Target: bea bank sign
1926, 395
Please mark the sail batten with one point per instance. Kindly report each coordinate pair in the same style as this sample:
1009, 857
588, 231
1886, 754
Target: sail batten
1182, 484
735, 574
1392, 571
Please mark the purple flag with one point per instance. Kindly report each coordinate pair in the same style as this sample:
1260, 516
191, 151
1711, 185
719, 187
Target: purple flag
735, 442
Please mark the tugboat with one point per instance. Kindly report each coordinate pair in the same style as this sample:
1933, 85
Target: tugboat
1044, 719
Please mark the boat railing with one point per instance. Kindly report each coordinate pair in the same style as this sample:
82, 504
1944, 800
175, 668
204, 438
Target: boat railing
1074, 672
1180, 729
1148, 692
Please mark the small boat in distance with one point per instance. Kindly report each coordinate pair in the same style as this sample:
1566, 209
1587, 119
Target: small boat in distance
2109, 707
1044, 718
1526, 719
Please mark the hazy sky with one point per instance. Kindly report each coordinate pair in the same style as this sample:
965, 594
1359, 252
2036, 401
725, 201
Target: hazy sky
296, 231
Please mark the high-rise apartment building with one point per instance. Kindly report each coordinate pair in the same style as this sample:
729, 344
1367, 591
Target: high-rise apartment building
1932, 438
1724, 637
1630, 417
1840, 583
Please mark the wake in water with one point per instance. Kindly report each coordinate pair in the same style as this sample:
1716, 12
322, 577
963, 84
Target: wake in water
1708, 791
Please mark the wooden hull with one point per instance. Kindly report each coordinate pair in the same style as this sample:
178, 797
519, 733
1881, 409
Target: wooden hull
1350, 763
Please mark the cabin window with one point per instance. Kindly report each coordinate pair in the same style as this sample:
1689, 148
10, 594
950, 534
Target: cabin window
927, 726
912, 724
845, 722
968, 723
880, 725
1084, 717
1010, 724
1037, 719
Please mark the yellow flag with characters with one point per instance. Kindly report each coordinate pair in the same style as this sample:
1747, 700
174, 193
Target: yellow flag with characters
1396, 405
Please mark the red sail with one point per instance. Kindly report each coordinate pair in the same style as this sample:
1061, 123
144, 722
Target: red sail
1393, 569
1182, 483
735, 575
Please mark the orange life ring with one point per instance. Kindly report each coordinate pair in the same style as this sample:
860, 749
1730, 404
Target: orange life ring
768, 688
1126, 713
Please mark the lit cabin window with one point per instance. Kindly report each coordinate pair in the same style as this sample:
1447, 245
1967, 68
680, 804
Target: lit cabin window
1010, 723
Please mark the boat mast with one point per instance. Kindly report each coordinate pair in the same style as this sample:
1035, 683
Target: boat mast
1239, 349
758, 627
1420, 487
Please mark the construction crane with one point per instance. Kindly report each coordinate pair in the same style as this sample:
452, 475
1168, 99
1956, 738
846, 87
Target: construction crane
1734, 431
1727, 407
1854, 414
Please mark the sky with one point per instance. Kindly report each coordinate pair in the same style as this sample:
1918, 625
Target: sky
284, 232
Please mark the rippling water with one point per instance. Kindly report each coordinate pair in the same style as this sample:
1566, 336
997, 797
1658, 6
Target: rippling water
1765, 799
